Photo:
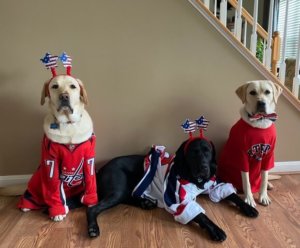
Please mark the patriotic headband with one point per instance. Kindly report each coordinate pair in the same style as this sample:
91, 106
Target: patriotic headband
50, 62
191, 126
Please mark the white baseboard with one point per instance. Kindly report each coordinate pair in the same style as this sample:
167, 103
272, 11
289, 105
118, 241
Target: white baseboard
289, 167
14, 179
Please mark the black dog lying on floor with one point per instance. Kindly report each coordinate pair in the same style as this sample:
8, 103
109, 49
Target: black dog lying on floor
195, 163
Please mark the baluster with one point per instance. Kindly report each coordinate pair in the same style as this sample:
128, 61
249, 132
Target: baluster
245, 33
264, 54
215, 8
253, 41
275, 52
296, 79
206, 3
282, 67
269, 42
238, 20
223, 12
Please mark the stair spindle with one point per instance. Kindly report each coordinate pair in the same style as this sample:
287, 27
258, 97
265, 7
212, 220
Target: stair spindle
215, 8
269, 42
223, 12
253, 41
275, 52
238, 21
282, 68
245, 33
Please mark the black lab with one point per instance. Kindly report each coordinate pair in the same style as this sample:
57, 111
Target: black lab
195, 163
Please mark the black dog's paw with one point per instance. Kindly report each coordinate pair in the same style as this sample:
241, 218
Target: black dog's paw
249, 211
93, 231
217, 234
147, 204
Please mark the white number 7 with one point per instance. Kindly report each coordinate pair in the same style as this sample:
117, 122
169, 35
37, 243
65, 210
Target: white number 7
91, 162
51, 164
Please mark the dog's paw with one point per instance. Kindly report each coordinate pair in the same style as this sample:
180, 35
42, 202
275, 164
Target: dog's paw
93, 231
264, 199
217, 234
25, 209
250, 200
249, 211
58, 217
147, 204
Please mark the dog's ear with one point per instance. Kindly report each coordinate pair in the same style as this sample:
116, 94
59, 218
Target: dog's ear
83, 94
45, 92
277, 90
241, 92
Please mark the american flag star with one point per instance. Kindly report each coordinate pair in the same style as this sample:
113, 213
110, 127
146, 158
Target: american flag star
66, 60
202, 123
188, 126
49, 60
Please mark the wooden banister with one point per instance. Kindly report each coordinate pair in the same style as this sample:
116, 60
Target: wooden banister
260, 30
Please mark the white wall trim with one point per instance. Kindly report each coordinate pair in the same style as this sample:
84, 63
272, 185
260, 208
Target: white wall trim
288, 167
14, 179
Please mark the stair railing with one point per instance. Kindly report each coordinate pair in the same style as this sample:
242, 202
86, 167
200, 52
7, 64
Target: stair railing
271, 42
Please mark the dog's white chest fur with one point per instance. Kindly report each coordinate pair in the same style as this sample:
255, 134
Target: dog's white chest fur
69, 133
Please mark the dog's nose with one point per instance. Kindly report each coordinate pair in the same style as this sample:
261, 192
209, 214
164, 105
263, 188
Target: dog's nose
261, 106
64, 97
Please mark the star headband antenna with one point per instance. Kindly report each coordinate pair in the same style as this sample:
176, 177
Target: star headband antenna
50, 62
190, 126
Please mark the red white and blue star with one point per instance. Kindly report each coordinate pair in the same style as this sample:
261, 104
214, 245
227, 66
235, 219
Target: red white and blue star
66, 60
50, 61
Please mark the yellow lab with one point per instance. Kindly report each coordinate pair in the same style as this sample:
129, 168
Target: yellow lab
248, 154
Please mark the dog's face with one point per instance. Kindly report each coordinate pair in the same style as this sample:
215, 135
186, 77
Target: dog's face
198, 160
66, 95
259, 96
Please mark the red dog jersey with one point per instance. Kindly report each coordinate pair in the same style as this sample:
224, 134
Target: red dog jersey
250, 150
65, 171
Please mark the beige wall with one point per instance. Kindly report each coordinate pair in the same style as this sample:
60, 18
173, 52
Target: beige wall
147, 65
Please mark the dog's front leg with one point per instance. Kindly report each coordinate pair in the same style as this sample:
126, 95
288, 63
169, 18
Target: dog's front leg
216, 233
244, 207
247, 189
263, 194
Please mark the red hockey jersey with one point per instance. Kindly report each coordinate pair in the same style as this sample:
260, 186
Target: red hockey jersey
250, 150
65, 171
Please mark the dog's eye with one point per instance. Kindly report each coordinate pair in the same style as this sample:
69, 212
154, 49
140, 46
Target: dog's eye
54, 86
72, 86
252, 93
267, 92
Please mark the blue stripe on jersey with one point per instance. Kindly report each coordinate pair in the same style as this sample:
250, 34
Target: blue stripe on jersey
148, 177
169, 194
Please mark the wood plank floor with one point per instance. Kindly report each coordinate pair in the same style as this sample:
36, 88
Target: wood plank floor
278, 225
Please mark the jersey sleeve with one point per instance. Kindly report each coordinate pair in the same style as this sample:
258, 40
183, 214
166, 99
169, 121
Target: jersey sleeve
180, 201
220, 191
52, 185
90, 193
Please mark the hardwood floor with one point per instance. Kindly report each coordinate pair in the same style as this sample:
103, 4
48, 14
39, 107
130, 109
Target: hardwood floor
278, 225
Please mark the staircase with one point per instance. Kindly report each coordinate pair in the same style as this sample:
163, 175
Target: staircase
263, 52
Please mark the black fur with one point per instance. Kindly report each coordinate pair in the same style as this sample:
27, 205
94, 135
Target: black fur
117, 179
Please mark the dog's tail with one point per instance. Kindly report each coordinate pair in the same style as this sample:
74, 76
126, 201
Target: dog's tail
13, 190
